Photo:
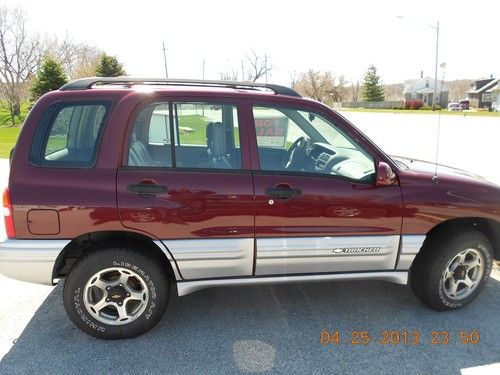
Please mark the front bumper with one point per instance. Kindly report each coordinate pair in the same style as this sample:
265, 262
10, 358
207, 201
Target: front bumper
30, 260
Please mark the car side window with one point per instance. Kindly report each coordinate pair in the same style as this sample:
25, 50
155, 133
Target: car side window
208, 136
150, 141
201, 136
72, 136
294, 140
274, 129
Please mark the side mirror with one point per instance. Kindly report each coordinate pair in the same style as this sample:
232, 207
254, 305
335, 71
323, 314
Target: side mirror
385, 175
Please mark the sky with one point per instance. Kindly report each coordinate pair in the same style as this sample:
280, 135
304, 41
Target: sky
398, 37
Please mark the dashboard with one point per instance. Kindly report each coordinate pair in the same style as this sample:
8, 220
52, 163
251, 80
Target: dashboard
346, 162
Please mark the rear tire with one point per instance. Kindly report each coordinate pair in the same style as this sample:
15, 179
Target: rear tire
451, 270
116, 292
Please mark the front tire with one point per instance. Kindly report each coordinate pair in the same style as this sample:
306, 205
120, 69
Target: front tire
116, 292
451, 270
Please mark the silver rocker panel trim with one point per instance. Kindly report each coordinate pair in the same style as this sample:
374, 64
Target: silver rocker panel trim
206, 258
187, 287
410, 247
295, 255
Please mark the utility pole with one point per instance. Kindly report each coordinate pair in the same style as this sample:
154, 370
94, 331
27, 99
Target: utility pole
242, 71
165, 59
442, 66
436, 67
436, 64
203, 74
265, 64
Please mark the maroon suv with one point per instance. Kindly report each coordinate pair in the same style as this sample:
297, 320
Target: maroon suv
130, 189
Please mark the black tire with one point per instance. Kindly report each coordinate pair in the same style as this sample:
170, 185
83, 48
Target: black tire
427, 271
146, 275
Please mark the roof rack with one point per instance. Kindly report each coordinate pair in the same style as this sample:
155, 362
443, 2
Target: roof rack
87, 83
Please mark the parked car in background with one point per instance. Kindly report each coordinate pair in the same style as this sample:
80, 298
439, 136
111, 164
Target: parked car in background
135, 189
465, 104
454, 107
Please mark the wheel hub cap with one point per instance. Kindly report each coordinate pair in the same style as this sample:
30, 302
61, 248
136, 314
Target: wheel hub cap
460, 273
116, 296
463, 274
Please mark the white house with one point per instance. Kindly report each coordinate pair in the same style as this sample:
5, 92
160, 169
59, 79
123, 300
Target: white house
423, 89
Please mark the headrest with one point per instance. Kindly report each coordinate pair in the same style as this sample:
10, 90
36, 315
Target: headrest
218, 146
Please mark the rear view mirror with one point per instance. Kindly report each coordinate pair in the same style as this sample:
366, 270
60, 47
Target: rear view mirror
385, 175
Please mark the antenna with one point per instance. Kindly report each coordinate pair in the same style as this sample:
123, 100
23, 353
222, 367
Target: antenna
435, 178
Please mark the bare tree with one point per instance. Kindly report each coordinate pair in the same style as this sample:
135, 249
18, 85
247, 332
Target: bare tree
20, 54
394, 91
322, 86
85, 63
229, 75
259, 66
336, 87
312, 85
78, 59
458, 89
354, 91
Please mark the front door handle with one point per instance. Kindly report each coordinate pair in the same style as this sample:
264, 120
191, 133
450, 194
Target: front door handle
147, 189
283, 192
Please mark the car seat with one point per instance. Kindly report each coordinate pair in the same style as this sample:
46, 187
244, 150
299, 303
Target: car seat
138, 154
217, 146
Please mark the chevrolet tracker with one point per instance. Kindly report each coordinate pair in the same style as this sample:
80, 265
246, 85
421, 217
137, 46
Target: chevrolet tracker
133, 189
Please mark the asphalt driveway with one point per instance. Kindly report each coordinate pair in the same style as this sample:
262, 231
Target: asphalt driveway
270, 328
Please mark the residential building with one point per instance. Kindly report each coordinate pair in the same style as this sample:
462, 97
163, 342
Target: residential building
423, 89
481, 94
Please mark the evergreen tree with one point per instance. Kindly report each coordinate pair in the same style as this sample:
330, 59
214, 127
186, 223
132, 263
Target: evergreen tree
109, 66
372, 88
49, 77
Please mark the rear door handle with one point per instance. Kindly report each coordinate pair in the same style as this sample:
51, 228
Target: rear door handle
147, 189
283, 192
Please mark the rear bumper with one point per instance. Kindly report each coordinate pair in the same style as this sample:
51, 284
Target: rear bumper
30, 260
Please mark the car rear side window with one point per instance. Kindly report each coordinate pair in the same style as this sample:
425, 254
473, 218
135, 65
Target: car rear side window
72, 135
188, 135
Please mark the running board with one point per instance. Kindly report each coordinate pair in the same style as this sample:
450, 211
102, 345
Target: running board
187, 287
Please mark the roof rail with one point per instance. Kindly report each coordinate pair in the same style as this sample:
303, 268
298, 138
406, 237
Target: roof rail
87, 83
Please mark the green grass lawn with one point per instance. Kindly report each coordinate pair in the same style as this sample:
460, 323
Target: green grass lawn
422, 112
198, 125
8, 133
5, 116
198, 136
8, 137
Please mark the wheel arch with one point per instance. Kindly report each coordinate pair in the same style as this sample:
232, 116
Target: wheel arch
490, 228
86, 242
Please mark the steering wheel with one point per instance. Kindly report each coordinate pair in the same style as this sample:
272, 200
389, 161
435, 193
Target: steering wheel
297, 153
